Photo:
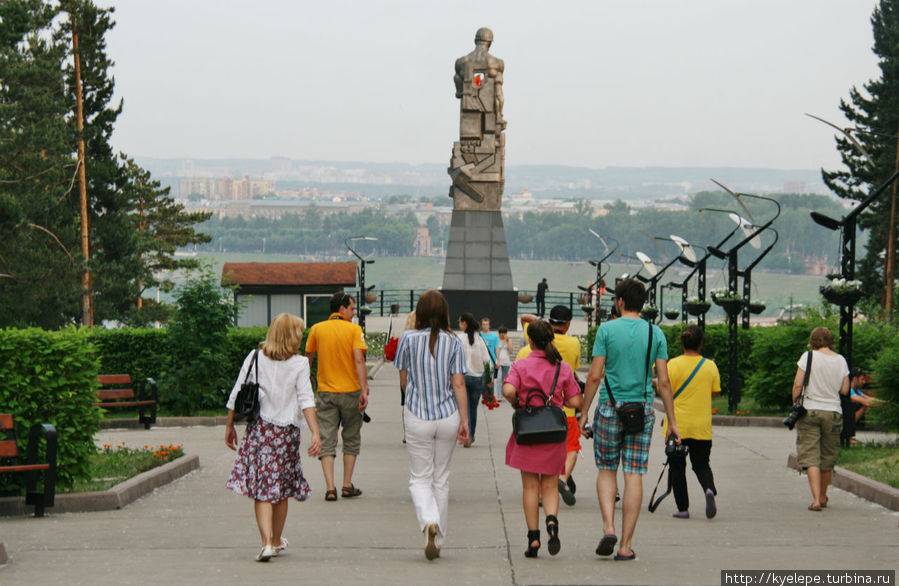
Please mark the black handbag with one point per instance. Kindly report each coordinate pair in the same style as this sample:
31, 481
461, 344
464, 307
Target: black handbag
543, 424
247, 403
632, 415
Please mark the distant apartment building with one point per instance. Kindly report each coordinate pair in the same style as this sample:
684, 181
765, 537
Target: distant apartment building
227, 188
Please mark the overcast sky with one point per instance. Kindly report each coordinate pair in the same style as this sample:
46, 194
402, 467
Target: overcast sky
590, 83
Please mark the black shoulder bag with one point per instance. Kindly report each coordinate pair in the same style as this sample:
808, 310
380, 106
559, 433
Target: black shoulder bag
632, 414
247, 403
543, 424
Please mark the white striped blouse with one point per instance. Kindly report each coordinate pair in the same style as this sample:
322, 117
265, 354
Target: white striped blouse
429, 387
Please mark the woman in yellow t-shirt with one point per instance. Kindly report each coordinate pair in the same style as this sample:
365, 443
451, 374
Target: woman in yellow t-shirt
694, 381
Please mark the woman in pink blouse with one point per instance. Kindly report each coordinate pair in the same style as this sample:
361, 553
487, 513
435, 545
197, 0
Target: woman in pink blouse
540, 464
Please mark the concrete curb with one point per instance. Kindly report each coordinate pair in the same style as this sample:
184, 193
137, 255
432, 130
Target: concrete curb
862, 486
116, 497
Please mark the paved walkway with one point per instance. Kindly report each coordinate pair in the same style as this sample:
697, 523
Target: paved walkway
194, 531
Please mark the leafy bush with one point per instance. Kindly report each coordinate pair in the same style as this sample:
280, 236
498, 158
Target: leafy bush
197, 336
774, 357
886, 377
51, 377
142, 353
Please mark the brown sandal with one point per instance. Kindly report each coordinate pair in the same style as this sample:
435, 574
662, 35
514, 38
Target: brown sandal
349, 491
331, 495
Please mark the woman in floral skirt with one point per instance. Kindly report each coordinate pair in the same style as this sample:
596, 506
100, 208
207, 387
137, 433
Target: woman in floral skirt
529, 382
268, 467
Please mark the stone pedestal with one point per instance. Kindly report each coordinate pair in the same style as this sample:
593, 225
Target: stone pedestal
477, 277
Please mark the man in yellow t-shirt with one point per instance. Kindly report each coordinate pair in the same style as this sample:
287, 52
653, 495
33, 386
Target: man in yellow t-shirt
570, 349
342, 389
693, 413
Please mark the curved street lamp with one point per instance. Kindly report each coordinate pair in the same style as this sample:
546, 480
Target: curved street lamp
361, 274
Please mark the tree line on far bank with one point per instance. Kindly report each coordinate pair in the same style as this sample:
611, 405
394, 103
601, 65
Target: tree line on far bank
548, 235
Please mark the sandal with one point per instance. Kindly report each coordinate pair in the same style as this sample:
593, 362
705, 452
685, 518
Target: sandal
533, 536
349, 491
280, 548
552, 529
620, 557
607, 544
331, 495
816, 508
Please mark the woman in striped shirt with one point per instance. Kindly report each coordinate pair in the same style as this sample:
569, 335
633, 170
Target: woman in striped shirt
432, 375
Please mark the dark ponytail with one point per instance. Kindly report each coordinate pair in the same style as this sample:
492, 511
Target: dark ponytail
541, 334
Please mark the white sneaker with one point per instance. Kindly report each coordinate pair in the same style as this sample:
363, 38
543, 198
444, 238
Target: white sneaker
266, 554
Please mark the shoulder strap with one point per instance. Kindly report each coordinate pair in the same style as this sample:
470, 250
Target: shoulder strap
808, 371
555, 380
689, 378
492, 361
645, 372
648, 372
254, 365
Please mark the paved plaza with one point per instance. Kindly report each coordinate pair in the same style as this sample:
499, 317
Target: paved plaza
194, 531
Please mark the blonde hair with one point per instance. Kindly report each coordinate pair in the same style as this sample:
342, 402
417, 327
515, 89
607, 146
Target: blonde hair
284, 337
410, 321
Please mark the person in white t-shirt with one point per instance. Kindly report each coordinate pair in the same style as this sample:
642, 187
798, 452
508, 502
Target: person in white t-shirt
818, 432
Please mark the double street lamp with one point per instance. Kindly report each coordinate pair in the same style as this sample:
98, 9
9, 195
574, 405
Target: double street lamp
360, 302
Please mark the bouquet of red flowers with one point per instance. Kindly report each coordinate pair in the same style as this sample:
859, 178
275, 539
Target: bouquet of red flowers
390, 348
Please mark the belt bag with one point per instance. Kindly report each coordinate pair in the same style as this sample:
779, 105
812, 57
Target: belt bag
543, 424
632, 417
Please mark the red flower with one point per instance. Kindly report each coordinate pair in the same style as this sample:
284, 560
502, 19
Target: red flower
390, 348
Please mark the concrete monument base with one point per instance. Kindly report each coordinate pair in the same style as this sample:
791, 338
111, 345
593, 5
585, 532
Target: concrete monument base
500, 306
477, 277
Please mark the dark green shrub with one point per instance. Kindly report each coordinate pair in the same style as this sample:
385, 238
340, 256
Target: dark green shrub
886, 377
774, 360
198, 335
142, 353
51, 377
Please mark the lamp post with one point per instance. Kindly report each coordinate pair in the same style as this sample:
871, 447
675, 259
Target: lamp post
599, 276
847, 258
751, 233
361, 273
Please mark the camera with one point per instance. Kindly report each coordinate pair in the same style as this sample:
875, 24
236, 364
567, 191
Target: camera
797, 412
672, 450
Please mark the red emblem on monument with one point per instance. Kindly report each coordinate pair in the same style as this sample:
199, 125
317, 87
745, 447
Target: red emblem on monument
478, 79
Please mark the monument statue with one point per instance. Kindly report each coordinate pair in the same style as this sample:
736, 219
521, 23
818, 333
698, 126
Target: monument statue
476, 166
477, 276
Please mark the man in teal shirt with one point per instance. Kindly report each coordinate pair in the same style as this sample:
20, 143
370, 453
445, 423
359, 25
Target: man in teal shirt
620, 353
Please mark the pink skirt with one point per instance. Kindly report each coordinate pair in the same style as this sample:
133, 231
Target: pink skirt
536, 458
268, 464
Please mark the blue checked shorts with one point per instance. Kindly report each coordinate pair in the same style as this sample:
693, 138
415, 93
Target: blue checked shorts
610, 447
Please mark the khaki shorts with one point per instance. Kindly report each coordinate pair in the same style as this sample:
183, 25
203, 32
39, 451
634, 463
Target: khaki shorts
335, 410
818, 439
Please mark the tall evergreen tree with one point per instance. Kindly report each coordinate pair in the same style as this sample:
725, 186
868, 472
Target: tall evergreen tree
873, 112
40, 262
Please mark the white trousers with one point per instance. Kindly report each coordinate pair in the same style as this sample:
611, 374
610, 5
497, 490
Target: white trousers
430, 445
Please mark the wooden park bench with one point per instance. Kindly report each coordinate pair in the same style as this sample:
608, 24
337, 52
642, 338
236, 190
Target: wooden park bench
116, 390
9, 456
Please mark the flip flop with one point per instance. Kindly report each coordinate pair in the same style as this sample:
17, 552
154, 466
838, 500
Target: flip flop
626, 558
606, 544
815, 508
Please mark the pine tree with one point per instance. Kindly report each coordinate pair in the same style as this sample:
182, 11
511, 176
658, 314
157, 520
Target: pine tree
40, 263
873, 112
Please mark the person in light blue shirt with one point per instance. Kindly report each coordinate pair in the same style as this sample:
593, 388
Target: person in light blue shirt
491, 339
432, 368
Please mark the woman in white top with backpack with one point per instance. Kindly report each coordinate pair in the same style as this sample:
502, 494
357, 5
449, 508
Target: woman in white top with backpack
818, 431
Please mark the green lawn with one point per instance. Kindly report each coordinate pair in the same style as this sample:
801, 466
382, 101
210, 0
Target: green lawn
877, 461
115, 464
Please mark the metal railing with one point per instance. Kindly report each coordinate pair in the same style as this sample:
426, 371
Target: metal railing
387, 302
